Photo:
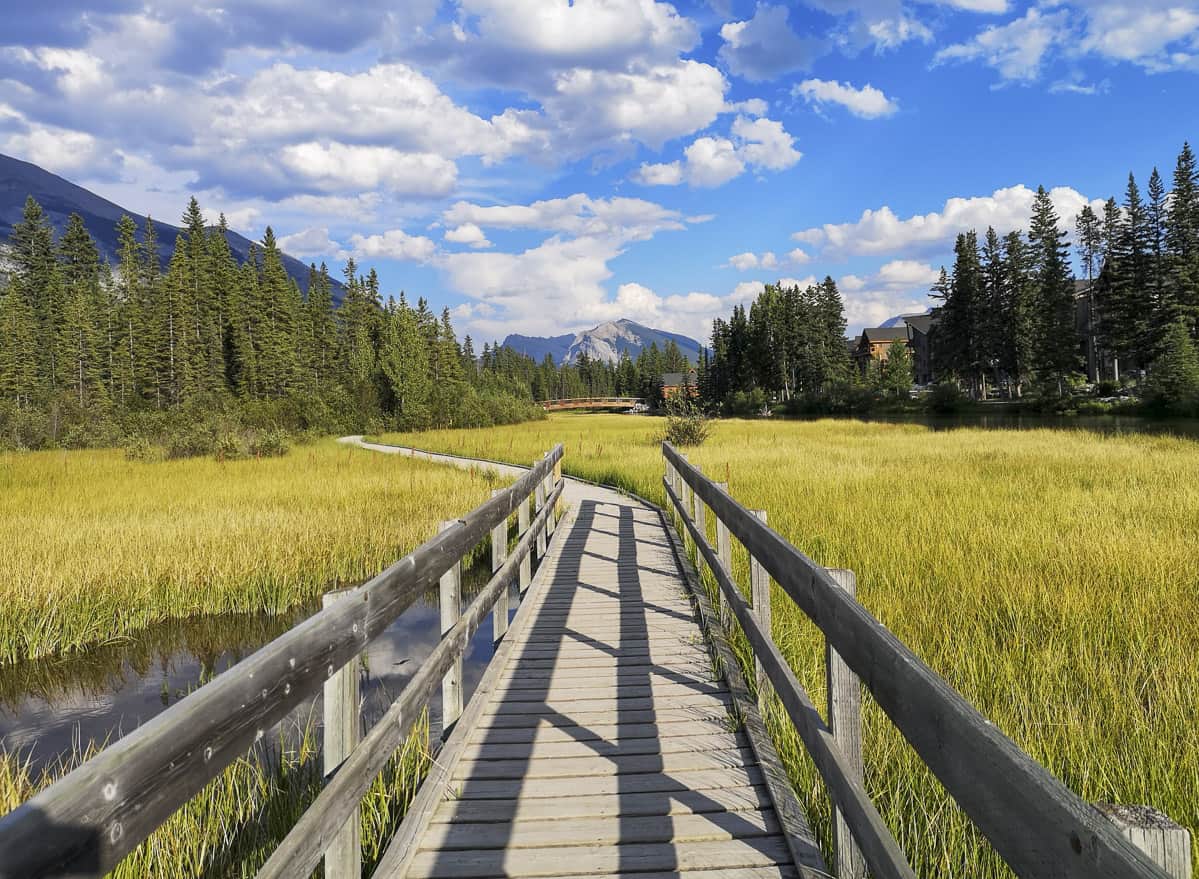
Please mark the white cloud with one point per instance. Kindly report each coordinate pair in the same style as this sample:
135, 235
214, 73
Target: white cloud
393, 244
309, 242
622, 219
468, 233
56, 149
866, 102
337, 166
764, 46
744, 262
880, 231
898, 287
1016, 49
761, 144
1144, 33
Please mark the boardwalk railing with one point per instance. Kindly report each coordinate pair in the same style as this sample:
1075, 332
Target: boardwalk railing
83, 824
1035, 823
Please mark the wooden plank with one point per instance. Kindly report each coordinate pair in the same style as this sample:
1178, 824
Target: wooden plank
845, 722
774, 871
700, 801
640, 670
715, 713
1031, 818
601, 690
499, 552
700, 701
590, 831
84, 823
609, 732
449, 603
586, 860
759, 590
620, 764
673, 782
341, 732
722, 741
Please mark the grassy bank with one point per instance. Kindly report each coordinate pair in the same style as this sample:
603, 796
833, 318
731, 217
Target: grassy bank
1047, 575
231, 827
95, 547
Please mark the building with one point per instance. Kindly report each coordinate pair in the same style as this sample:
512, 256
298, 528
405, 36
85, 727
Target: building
873, 343
919, 330
673, 383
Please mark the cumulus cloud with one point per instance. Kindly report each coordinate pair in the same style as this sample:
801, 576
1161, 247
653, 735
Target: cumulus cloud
761, 144
56, 149
764, 47
866, 102
468, 233
337, 166
621, 219
744, 262
880, 231
393, 244
309, 243
897, 287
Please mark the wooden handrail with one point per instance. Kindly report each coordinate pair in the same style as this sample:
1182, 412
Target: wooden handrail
300, 852
1037, 825
84, 823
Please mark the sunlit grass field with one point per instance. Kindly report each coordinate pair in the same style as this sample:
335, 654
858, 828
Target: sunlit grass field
1049, 575
94, 547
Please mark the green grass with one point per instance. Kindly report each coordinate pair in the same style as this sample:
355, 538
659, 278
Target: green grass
234, 824
95, 548
1048, 575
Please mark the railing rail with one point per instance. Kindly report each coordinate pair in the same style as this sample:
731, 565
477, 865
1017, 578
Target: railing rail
1035, 823
83, 824
566, 402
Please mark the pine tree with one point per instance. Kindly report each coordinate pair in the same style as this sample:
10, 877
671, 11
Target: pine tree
1182, 239
1088, 232
1174, 384
37, 277
1022, 308
1056, 347
19, 379
403, 358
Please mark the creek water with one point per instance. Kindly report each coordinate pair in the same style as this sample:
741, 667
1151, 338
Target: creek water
52, 707
1106, 425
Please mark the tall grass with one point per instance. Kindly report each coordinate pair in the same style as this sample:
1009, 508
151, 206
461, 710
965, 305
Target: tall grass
231, 827
94, 547
1048, 575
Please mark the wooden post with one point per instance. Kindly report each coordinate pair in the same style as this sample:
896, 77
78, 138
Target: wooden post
499, 554
1167, 844
451, 609
699, 513
539, 493
342, 732
685, 497
845, 722
523, 518
759, 594
549, 491
724, 552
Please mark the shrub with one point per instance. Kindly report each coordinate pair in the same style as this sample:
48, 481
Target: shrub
138, 448
270, 444
745, 404
686, 423
946, 398
1093, 407
228, 447
192, 442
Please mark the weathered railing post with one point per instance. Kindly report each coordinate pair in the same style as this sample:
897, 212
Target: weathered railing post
342, 731
845, 722
759, 594
699, 515
724, 553
550, 482
686, 511
523, 519
499, 554
451, 609
539, 493
1167, 844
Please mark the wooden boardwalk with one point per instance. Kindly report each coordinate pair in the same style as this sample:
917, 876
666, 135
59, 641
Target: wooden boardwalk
600, 742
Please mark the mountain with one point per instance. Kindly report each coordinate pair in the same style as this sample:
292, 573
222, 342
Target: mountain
60, 198
605, 342
897, 321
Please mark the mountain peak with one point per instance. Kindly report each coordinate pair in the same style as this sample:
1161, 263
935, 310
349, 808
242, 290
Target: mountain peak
607, 342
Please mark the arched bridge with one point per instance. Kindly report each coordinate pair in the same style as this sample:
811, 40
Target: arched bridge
591, 403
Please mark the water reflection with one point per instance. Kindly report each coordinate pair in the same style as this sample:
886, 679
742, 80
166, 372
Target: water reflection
1103, 424
51, 706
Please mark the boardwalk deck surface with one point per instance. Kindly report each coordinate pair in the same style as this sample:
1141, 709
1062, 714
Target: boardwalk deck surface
604, 743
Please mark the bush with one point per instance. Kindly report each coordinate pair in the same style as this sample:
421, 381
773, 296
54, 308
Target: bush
1093, 407
686, 423
192, 442
946, 398
745, 404
270, 444
228, 447
139, 448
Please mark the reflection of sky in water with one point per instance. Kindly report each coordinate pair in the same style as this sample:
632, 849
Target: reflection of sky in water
49, 723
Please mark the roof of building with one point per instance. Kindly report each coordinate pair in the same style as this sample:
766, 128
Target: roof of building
675, 379
886, 334
921, 323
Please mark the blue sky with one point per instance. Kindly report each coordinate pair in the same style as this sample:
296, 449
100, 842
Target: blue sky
541, 166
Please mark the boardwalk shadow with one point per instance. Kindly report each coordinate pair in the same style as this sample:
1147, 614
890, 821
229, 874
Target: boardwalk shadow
612, 804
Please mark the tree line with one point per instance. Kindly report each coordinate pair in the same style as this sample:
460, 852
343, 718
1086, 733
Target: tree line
92, 353
1011, 316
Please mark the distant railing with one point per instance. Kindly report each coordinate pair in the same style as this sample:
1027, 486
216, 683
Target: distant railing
1035, 823
83, 824
591, 403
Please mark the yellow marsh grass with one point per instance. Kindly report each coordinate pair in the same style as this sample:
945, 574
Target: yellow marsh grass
94, 547
231, 827
1050, 576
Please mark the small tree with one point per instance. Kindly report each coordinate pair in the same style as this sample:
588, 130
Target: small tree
1174, 383
686, 422
897, 369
